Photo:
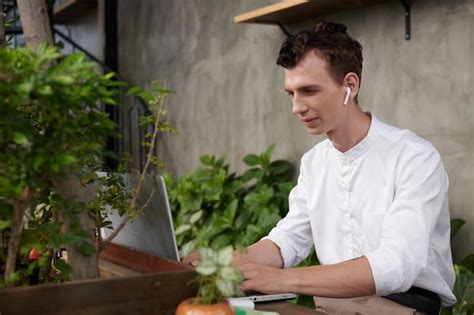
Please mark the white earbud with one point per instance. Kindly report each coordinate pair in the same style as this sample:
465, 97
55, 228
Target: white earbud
348, 93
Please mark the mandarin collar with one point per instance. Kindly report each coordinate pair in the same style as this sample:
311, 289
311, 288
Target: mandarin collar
363, 145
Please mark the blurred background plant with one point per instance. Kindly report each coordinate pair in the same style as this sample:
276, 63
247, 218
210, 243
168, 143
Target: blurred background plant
213, 207
464, 286
52, 143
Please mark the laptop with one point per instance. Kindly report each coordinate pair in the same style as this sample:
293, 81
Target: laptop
153, 231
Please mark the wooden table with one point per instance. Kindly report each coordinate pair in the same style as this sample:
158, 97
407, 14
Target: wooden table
285, 308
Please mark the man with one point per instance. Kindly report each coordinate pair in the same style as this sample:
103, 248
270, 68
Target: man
372, 198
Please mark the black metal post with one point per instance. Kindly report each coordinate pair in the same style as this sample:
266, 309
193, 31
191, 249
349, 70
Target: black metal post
406, 5
111, 61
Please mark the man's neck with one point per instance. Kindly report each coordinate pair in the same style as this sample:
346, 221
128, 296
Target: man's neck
351, 131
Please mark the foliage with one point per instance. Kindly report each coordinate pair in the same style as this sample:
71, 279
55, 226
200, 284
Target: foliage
464, 286
215, 208
217, 278
52, 127
50, 124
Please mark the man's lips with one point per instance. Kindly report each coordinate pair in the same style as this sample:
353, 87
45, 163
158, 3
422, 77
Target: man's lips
309, 122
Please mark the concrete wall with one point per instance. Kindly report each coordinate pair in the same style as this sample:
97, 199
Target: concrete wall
229, 93
85, 30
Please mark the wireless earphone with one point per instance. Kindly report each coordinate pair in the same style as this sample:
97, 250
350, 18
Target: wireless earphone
348, 93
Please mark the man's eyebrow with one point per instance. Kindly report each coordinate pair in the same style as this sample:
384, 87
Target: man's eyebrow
304, 87
312, 86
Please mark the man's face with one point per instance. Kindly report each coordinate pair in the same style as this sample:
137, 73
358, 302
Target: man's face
317, 98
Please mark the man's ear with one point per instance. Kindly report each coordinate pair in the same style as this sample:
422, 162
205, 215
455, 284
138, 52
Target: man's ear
352, 80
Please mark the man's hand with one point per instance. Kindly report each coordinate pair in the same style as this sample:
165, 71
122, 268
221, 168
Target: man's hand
350, 278
262, 278
192, 259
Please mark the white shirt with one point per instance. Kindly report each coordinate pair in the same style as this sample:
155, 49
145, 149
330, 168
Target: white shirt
385, 199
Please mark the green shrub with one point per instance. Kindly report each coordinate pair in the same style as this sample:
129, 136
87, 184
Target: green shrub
215, 208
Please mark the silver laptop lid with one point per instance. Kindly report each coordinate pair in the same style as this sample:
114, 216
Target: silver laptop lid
151, 232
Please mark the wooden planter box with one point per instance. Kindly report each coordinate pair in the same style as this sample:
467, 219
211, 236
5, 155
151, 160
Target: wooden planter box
156, 286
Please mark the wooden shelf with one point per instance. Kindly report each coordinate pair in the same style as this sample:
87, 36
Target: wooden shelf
292, 11
71, 9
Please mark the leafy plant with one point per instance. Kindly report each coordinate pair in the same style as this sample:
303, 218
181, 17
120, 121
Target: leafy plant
215, 208
50, 124
217, 278
464, 286
52, 128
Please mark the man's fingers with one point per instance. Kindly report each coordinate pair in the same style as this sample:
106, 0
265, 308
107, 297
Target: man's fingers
192, 259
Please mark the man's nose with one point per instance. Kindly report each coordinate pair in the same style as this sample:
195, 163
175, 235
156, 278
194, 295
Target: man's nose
298, 106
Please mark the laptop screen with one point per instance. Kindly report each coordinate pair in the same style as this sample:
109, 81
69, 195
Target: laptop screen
152, 231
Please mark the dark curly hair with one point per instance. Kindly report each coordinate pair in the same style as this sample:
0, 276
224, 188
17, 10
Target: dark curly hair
329, 40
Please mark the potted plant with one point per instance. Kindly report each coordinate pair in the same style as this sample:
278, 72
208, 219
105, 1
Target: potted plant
217, 279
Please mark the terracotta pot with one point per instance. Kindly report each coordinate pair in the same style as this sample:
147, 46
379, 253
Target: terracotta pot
187, 307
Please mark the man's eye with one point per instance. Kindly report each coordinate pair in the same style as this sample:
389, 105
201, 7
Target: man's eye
290, 94
310, 92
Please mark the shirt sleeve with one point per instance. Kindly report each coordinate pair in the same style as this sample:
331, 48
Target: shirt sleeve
293, 234
420, 194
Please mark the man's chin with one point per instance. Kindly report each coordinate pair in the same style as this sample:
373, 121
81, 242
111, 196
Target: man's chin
315, 131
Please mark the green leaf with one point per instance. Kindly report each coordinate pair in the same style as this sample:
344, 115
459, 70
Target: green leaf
188, 248
207, 160
266, 156
305, 300
251, 160
252, 173
108, 76
467, 262
108, 100
45, 90
64, 268
225, 255
456, 224
5, 224
195, 217
207, 254
463, 289
147, 96
230, 211
86, 248
242, 220
206, 267
25, 88
280, 167
269, 150
183, 228
134, 90
20, 138
63, 79
231, 274
252, 199
194, 203
286, 187
222, 240
67, 159
225, 287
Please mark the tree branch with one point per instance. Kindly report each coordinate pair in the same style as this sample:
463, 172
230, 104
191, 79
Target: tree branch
136, 192
16, 230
